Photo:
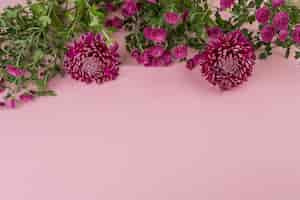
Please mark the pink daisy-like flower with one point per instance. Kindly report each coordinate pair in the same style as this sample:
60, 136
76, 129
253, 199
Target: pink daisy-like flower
227, 61
90, 59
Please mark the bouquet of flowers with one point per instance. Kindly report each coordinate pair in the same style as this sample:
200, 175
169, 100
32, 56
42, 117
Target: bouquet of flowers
45, 38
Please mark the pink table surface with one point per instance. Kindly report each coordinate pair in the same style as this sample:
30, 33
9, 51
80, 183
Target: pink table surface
157, 134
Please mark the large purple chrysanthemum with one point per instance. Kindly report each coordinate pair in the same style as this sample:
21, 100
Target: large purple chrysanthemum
227, 60
90, 59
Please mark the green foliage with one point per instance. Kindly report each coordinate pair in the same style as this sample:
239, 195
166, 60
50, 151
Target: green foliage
33, 37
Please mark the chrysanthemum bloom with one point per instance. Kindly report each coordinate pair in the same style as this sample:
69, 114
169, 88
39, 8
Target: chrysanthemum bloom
227, 61
91, 59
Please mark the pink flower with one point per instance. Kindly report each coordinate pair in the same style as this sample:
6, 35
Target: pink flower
214, 32
281, 21
172, 18
277, 3
90, 59
152, 1
129, 8
283, 34
267, 33
14, 71
26, 97
296, 34
228, 61
12, 103
166, 58
180, 51
110, 7
156, 51
263, 15
226, 4
114, 22
155, 34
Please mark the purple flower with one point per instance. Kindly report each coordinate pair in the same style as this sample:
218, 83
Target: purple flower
172, 18
114, 22
180, 51
296, 34
226, 4
283, 34
90, 59
12, 103
14, 71
277, 3
185, 15
135, 53
263, 15
129, 8
214, 32
281, 21
228, 61
26, 97
155, 34
267, 33
156, 51
110, 7
166, 58
152, 1
144, 58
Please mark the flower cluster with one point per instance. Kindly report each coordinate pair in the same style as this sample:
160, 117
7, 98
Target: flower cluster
155, 35
276, 23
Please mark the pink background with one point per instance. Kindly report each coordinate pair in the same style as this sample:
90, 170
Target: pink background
157, 134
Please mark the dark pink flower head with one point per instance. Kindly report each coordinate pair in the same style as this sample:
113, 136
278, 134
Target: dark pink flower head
172, 18
277, 3
283, 34
180, 51
296, 35
152, 1
267, 33
185, 15
114, 22
26, 97
156, 51
281, 21
228, 61
129, 8
155, 34
263, 15
214, 32
15, 71
226, 4
110, 7
90, 59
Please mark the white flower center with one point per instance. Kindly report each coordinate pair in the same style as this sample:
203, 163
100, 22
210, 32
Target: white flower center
90, 65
